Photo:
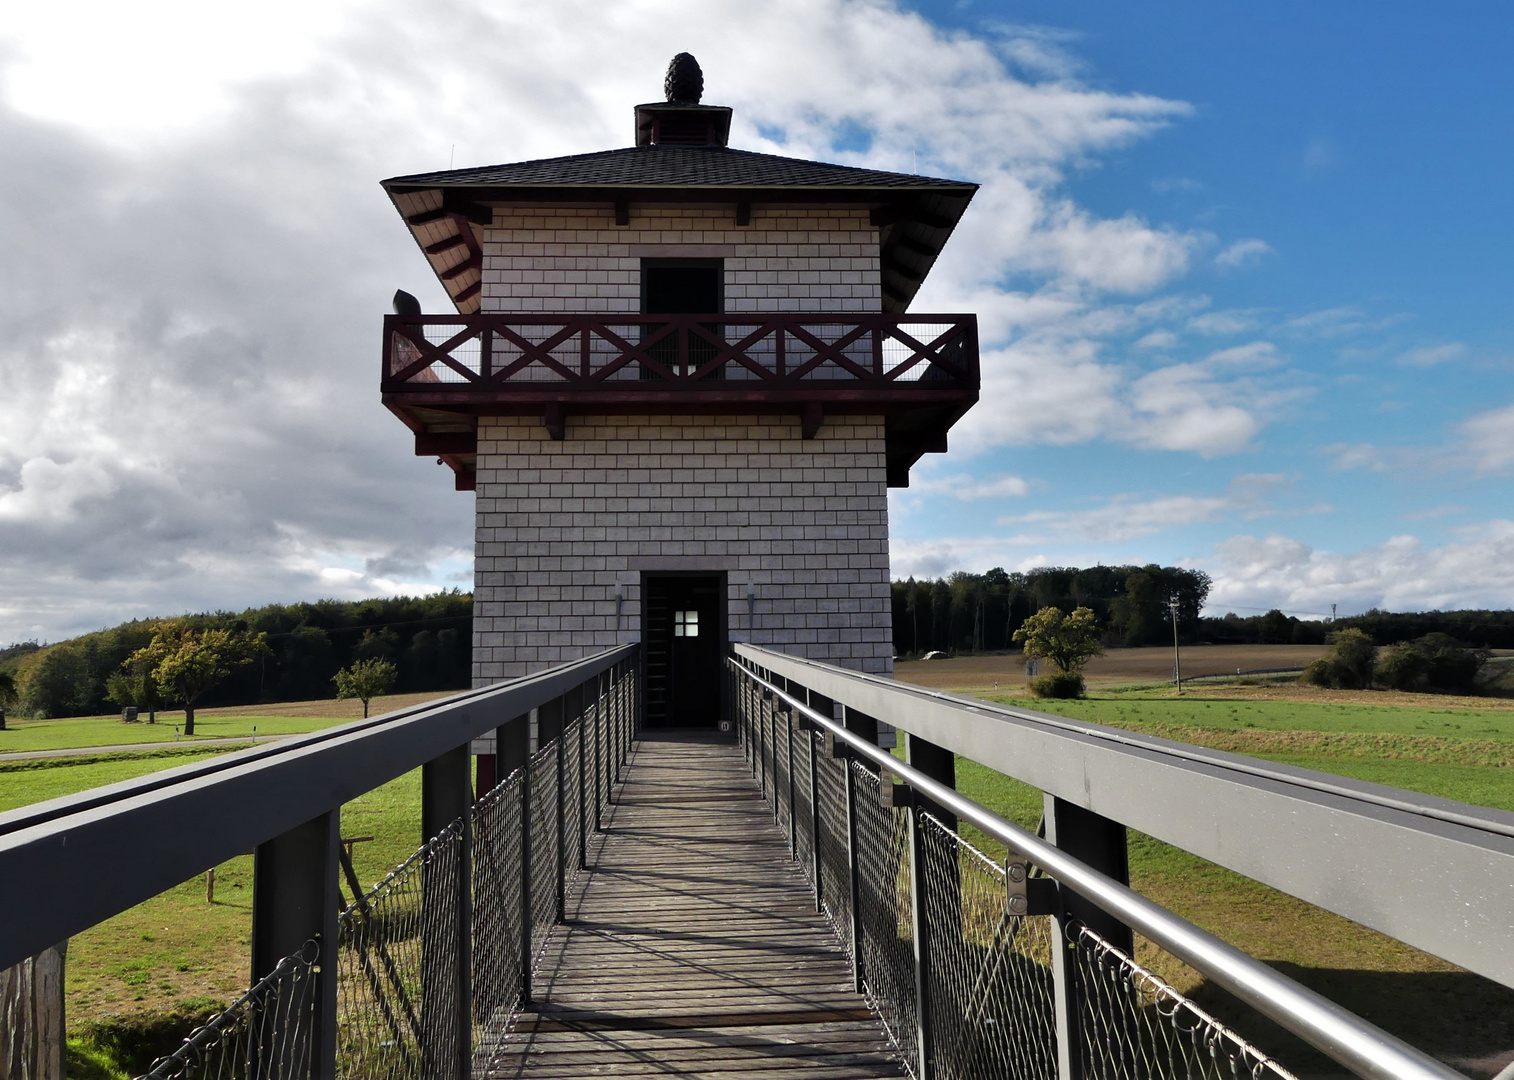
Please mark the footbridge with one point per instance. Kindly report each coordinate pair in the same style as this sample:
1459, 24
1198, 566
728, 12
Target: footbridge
771, 896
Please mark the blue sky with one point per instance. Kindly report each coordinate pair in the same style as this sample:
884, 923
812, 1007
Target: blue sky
1365, 151
1240, 272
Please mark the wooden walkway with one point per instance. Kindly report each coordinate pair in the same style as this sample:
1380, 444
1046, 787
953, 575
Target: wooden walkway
693, 947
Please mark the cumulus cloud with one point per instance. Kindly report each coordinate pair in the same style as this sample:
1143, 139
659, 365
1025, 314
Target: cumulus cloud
1431, 355
1401, 574
197, 253
1243, 253
1488, 439
971, 488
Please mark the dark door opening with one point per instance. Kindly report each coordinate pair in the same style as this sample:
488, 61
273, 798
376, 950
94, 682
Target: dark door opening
681, 287
683, 626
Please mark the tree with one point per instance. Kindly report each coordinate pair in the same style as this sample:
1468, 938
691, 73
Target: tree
1069, 641
8, 695
185, 663
365, 679
1350, 665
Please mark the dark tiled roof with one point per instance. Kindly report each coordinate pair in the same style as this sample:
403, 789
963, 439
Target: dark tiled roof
677, 166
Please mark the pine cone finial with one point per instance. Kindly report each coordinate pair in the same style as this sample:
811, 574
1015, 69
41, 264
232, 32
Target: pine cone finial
684, 83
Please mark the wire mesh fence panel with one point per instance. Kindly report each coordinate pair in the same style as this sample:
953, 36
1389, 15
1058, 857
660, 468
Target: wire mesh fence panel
1133, 1025
885, 940
835, 877
263, 1035
782, 776
804, 813
991, 1001
571, 779
544, 826
496, 958
397, 986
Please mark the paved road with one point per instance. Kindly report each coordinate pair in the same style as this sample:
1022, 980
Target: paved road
85, 751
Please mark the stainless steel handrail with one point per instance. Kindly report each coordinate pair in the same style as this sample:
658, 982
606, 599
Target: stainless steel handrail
1362, 1047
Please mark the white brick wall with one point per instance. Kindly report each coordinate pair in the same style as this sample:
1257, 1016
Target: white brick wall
563, 526
805, 259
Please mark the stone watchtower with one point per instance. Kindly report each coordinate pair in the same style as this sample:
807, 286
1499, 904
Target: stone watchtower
680, 380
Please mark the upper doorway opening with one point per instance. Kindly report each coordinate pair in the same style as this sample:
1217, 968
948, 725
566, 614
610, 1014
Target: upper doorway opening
681, 287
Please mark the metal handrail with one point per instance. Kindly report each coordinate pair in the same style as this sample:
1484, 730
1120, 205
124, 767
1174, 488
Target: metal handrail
1362, 1047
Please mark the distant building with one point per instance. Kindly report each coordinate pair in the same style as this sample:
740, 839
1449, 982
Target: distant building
680, 381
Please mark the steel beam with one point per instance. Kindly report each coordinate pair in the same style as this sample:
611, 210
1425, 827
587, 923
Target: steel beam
1430, 872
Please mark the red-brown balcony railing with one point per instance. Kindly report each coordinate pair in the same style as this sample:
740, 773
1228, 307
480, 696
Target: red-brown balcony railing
598, 356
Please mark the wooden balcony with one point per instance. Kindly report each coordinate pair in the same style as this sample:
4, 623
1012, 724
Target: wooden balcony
442, 372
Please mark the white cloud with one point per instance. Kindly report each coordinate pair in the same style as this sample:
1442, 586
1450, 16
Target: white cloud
1123, 517
1488, 438
970, 488
1157, 339
1431, 355
1401, 574
1224, 322
1243, 253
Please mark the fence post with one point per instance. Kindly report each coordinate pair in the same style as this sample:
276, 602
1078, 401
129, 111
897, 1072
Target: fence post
601, 710
865, 727
940, 884
446, 796
295, 898
788, 737
1100, 843
826, 708
559, 799
583, 774
525, 886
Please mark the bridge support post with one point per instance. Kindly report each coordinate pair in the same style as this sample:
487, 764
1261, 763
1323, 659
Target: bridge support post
447, 982
295, 898
525, 886
788, 741
867, 728
1100, 843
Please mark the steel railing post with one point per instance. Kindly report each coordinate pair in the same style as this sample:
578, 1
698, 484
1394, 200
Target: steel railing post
581, 781
526, 906
562, 825
1100, 843
788, 735
925, 1066
295, 898
853, 892
606, 680
823, 706
446, 798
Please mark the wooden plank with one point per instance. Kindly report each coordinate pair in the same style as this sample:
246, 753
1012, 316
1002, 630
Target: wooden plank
692, 946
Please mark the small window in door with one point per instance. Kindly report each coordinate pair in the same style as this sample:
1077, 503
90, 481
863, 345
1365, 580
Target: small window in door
685, 624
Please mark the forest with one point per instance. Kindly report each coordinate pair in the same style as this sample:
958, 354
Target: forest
429, 638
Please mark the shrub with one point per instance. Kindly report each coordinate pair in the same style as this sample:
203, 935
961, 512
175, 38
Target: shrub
1058, 684
1355, 658
1320, 672
1435, 662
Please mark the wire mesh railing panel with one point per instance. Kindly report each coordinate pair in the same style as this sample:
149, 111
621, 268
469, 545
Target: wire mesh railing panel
992, 1006
835, 877
804, 813
572, 781
544, 826
885, 939
1135, 1026
496, 956
782, 768
266, 1033
397, 984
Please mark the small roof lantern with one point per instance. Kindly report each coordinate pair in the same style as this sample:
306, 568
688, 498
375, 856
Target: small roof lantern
682, 120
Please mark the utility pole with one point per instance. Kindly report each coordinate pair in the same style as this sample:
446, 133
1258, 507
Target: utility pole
1177, 657
1332, 612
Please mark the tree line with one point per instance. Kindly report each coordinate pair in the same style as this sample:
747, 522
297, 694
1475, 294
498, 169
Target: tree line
428, 639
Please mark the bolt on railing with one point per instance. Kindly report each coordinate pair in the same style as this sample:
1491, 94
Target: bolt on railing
1021, 968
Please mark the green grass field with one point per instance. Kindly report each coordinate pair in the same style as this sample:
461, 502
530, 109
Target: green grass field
178, 951
24, 735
